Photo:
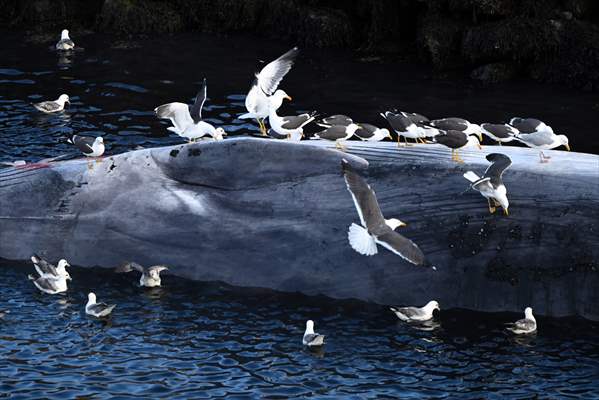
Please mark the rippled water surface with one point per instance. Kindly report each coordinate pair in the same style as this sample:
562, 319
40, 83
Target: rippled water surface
191, 339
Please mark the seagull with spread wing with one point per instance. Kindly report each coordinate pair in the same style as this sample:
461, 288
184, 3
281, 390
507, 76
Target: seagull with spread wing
263, 94
375, 228
491, 184
150, 277
187, 120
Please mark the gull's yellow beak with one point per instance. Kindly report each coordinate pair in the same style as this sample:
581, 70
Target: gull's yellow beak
402, 223
389, 137
288, 98
480, 137
567, 146
506, 212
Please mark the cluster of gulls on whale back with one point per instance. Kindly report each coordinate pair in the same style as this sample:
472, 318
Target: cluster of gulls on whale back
262, 102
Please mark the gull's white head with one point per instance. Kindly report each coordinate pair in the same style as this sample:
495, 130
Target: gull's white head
352, 128
384, 132
154, 274
309, 326
63, 98
64, 34
67, 276
563, 139
91, 298
528, 313
433, 305
62, 264
394, 223
501, 197
276, 100
220, 134
473, 141
98, 141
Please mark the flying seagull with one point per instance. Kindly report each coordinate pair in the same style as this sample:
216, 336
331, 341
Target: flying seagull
312, 339
524, 326
291, 126
65, 42
375, 228
52, 106
97, 310
187, 120
491, 184
50, 285
371, 133
89, 146
416, 314
337, 119
150, 277
544, 140
263, 94
337, 133
456, 140
47, 270
501, 133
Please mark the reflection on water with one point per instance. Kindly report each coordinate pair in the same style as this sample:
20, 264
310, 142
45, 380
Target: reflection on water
188, 338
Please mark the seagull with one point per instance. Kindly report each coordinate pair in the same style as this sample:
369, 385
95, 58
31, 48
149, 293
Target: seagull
150, 277
415, 314
47, 270
97, 310
290, 126
530, 125
263, 94
491, 184
311, 338
65, 42
544, 140
456, 140
524, 326
338, 133
50, 285
187, 120
375, 228
371, 133
501, 133
89, 146
52, 106
457, 124
403, 126
337, 119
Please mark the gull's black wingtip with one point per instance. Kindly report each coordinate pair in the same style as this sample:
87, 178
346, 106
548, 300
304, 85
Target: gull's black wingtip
492, 157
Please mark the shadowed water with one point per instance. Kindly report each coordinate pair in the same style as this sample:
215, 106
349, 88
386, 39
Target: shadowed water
192, 339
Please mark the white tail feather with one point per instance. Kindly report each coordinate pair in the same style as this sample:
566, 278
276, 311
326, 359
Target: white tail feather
246, 116
471, 176
361, 241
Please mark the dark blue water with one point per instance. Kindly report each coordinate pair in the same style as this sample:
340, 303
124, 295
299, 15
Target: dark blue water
192, 339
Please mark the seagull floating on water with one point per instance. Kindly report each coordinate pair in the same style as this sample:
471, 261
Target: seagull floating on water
416, 314
187, 120
50, 285
98, 310
89, 146
291, 126
501, 133
375, 228
65, 42
150, 277
337, 133
47, 270
491, 184
371, 133
524, 326
52, 106
260, 99
456, 140
312, 339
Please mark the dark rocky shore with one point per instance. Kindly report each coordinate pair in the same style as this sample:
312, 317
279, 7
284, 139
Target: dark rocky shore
553, 41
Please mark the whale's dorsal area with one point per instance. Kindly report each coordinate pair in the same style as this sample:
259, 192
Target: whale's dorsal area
249, 163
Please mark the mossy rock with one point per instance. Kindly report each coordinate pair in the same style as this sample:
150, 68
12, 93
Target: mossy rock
133, 16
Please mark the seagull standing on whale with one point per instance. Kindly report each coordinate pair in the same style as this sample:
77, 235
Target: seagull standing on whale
491, 184
52, 106
150, 277
501, 133
375, 228
337, 133
187, 120
456, 140
291, 126
260, 99
89, 146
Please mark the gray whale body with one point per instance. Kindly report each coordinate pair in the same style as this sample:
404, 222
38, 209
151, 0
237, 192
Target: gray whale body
274, 214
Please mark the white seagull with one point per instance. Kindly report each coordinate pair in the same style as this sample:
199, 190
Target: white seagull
544, 140
89, 146
311, 338
150, 277
65, 42
47, 270
50, 285
416, 314
260, 99
375, 228
371, 133
524, 326
291, 126
337, 133
491, 184
52, 106
187, 120
403, 124
97, 310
